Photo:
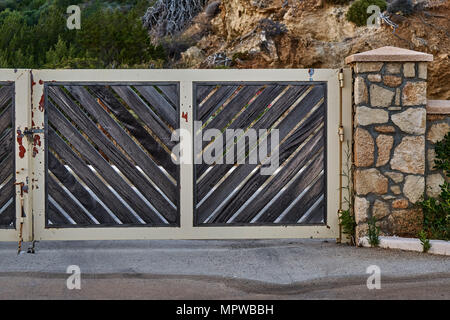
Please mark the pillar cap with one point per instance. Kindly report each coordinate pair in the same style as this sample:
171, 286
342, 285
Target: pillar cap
389, 54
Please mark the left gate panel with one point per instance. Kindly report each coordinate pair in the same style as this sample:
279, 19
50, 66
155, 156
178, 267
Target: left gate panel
7, 157
109, 160
15, 122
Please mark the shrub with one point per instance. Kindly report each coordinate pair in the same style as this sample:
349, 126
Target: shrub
374, 232
357, 13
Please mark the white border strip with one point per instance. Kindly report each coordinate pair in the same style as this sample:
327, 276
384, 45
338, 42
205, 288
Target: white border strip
440, 247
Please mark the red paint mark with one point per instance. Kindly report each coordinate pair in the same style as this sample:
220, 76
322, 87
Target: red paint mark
22, 149
35, 151
184, 115
42, 104
41, 82
37, 140
33, 83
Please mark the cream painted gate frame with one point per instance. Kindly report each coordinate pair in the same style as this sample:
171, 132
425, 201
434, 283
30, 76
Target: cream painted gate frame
32, 87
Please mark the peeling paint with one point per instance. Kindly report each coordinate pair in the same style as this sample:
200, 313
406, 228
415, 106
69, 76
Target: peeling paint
22, 149
42, 104
36, 143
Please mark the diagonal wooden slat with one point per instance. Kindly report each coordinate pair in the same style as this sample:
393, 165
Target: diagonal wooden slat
215, 101
284, 176
8, 216
238, 102
55, 216
305, 203
7, 192
125, 142
6, 95
90, 179
156, 125
78, 191
265, 122
6, 143
66, 202
202, 91
246, 118
6, 167
297, 186
132, 125
164, 109
171, 92
104, 168
5, 118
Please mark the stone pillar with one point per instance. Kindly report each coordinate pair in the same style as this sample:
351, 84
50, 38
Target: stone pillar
389, 138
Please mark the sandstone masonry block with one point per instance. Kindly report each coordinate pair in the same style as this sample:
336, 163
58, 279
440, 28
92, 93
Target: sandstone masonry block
393, 68
374, 77
366, 116
398, 94
422, 68
364, 148
396, 189
360, 92
438, 131
385, 129
368, 67
414, 93
392, 81
370, 181
414, 188
409, 155
380, 97
434, 181
397, 177
384, 145
361, 209
413, 120
380, 209
431, 156
408, 70
400, 204
406, 222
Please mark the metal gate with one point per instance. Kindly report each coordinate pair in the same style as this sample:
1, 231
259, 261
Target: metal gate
170, 154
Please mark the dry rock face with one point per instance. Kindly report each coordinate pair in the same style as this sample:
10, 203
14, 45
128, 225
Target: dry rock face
389, 149
317, 35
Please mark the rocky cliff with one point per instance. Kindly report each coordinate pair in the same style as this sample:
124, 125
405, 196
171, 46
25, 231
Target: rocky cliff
312, 34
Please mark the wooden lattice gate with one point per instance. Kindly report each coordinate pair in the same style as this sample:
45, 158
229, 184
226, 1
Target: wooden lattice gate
121, 154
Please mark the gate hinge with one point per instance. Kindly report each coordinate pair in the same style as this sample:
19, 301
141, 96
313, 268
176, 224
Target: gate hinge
341, 133
341, 78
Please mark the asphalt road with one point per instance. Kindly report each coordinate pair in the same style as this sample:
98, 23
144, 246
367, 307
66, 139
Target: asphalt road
261, 269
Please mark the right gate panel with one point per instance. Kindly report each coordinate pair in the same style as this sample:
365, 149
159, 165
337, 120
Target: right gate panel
238, 192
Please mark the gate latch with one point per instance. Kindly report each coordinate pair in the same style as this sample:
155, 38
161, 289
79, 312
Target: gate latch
30, 132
